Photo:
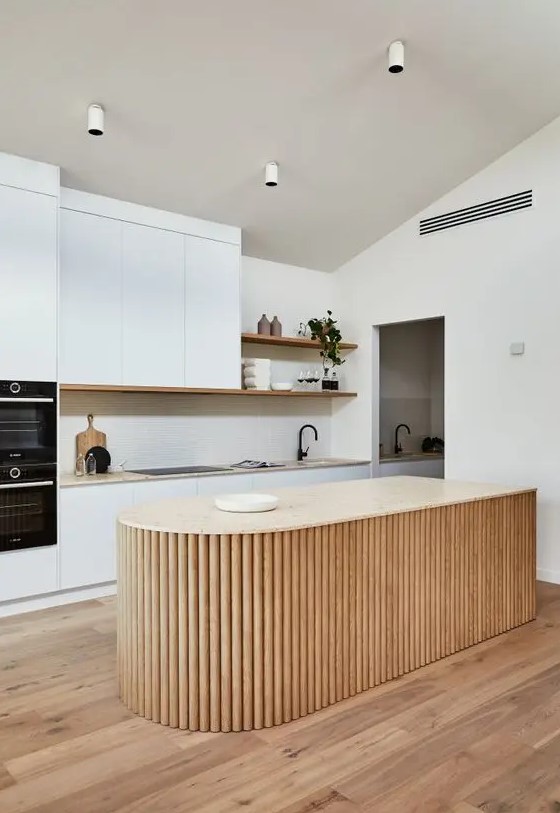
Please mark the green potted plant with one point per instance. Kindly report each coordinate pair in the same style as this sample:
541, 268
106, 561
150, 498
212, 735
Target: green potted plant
326, 332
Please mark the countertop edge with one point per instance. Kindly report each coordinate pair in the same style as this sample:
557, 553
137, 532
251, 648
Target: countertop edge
294, 526
71, 481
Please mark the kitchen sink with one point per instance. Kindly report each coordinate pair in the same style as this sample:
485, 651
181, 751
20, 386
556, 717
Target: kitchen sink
180, 470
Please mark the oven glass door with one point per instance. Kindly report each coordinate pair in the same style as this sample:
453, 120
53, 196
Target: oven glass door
27, 430
27, 515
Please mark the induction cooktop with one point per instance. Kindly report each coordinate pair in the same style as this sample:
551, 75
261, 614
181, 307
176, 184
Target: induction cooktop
179, 470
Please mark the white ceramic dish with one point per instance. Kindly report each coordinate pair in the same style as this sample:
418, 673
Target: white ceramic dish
282, 386
246, 503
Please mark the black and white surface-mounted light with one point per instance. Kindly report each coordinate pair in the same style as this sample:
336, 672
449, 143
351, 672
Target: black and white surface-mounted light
396, 57
271, 174
95, 120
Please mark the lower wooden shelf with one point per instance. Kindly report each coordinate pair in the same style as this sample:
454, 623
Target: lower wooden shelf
203, 391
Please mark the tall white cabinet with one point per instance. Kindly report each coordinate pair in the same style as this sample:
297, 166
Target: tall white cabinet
212, 315
153, 321
28, 279
90, 296
162, 304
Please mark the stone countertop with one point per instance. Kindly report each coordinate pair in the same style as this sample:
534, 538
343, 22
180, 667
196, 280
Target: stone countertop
70, 480
411, 457
312, 506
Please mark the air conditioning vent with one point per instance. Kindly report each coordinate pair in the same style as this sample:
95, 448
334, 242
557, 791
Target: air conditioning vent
492, 208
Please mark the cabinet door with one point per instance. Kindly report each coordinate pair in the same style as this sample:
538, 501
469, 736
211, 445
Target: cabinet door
28, 270
362, 472
212, 324
90, 299
153, 307
225, 484
25, 573
88, 532
154, 490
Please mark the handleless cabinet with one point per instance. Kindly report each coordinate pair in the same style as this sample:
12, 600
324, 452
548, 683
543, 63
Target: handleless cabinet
212, 314
28, 281
90, 299
153, 320
145, 306
88, 524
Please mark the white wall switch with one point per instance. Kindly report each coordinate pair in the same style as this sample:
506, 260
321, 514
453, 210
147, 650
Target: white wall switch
517, 348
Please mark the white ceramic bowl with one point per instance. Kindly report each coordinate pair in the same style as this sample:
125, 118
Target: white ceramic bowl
282, 386
246, 503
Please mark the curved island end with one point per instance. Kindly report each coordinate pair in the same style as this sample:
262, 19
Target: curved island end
230, 622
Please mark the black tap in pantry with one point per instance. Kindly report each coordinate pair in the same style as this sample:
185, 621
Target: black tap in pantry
398, 447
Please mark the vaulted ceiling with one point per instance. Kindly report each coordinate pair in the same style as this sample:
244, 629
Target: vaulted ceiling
199, 95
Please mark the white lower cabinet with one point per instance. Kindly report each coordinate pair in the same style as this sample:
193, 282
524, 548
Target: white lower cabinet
26, 573
154, 490
226, 484
88, 532
308, 477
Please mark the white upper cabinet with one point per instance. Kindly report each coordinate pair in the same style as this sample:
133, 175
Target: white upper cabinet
146, 305
28, 281
90, 299
153, 307
212, 311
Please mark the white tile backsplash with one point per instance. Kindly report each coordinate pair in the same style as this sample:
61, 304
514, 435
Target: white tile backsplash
148, 429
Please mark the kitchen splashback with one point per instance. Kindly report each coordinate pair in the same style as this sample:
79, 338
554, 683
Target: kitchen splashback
168, 430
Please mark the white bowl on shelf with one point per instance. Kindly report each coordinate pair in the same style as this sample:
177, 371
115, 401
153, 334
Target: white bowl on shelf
282, 386
246, 503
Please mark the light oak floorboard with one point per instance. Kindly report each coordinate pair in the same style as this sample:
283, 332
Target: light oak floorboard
479, 731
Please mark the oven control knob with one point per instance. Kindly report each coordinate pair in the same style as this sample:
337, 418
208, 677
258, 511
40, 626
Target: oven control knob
15, 387
15, 473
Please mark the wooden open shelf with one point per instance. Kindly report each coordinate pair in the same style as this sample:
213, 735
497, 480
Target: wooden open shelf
288, 341
196, 391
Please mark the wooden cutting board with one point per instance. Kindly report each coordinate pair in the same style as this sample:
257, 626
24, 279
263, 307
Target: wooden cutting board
91, 437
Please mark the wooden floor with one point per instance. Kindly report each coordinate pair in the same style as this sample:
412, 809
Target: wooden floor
477, 731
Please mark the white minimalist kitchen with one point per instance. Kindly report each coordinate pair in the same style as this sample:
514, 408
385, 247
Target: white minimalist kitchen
278, 472
150, 325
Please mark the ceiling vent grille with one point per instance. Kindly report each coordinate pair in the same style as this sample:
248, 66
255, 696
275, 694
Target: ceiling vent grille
492, 208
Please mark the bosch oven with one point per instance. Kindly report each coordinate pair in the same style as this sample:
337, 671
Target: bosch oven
27, 422
27, 506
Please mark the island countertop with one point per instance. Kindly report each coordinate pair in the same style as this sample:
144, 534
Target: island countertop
312, 506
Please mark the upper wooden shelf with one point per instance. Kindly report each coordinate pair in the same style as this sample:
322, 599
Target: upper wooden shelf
289, 341
197, 391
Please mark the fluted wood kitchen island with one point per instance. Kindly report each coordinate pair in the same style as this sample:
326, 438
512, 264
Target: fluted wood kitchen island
231, 622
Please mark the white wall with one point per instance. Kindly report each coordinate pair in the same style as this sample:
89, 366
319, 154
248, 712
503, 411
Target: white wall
410, 382
295, 295
495, 281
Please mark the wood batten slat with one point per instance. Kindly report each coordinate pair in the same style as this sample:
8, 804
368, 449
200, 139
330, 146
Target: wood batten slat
227, 633
268, 630
236, 634
193, 632
173, 631
182, 630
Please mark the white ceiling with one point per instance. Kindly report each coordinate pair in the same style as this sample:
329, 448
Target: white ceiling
199, 95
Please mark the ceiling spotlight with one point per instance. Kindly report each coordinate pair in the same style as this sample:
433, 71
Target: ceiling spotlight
271, 174
95, 120
396, 57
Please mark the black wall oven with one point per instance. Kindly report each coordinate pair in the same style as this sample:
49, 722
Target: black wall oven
27, 506
27, 422
28, 439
